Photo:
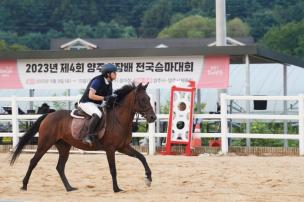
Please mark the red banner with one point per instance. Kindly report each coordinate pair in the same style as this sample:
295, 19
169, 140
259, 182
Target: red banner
9, 78
215, 73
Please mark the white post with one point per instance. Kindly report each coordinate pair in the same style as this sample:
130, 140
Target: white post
151, 132
220, 15
220, 12
224, 130
247, 93
151, 139
157, 111
285, 102
69, 101
32, 94
15, 123
301, 125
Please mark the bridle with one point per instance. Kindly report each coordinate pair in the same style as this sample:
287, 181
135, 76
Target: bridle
143, 112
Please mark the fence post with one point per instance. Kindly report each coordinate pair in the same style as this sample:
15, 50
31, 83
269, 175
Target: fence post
151, 139
151, 130
224, 131
301, 124
15, 123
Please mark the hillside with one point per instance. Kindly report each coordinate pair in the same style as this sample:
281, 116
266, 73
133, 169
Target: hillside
30, 24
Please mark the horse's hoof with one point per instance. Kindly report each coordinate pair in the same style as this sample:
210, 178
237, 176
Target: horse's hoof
72, 189
23, 188
117, 190
148, 182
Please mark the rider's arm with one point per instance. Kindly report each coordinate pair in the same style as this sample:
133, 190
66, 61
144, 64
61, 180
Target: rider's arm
93, 96
92, 93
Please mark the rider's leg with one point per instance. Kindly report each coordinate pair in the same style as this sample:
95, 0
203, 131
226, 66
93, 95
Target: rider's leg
91, 109
92, 129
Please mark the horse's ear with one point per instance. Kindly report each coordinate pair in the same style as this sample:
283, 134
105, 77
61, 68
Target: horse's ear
139, 86
145, 86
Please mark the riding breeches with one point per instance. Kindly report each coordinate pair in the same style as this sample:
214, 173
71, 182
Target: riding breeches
90, 108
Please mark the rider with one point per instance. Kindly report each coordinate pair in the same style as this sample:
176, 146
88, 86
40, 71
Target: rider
98, 90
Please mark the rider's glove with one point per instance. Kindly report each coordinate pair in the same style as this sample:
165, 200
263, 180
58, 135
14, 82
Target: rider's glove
110, 97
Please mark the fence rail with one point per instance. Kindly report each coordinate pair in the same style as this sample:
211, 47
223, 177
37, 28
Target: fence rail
151, 134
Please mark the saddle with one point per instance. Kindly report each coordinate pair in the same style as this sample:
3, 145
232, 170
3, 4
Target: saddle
78, 113
80, 123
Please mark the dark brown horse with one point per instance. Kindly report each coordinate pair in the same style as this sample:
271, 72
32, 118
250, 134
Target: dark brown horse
55, 129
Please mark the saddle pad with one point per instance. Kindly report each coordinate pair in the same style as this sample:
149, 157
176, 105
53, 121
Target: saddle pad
79, 128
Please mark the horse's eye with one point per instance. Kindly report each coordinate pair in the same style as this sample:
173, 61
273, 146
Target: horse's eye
143, 102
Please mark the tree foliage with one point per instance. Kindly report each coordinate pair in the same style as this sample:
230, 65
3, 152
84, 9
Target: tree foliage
13, 47
155, 18
288, 38
190, 27
33, 23
237, 28
198, 26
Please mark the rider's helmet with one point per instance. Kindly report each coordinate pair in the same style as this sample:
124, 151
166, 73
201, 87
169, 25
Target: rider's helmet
108, 68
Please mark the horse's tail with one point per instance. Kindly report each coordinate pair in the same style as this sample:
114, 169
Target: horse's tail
26, 138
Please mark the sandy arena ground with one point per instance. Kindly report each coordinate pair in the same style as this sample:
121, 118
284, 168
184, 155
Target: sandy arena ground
178, 178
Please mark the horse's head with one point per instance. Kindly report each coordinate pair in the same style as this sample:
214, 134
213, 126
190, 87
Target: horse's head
142, 104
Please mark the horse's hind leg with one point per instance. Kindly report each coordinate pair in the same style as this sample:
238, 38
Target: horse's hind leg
63, 149
41, 150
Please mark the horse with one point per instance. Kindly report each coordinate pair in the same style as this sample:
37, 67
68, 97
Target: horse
55, 129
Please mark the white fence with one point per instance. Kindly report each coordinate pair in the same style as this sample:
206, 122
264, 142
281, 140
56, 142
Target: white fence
151, 134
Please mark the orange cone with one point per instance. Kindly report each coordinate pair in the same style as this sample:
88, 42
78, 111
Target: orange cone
196, 139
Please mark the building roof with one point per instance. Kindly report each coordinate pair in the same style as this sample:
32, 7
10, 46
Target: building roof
56, 44
76, 41
256, 54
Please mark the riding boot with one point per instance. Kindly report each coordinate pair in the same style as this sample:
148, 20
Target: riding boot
92, 129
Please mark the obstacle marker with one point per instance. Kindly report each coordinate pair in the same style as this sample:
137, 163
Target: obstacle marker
180, 117
196, 139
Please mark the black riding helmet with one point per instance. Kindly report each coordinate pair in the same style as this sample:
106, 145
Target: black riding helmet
108, 68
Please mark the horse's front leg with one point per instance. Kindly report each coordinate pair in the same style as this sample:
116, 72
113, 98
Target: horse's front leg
111, 160
130, 151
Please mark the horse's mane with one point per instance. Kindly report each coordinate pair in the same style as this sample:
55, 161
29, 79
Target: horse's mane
123, 91
121, 94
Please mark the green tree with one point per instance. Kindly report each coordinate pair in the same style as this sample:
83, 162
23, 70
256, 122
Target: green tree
285, 12
241, 8
18, 47
202, 7
113, 30
14, 47
237, 28
101, 30
127, 13
260, 22
84, 31
3, 45
8, 37
72, 29
69, 29
156, 18
177, 17
69, 11
35, 41
287, 38
190, 27
300, 49
128, 32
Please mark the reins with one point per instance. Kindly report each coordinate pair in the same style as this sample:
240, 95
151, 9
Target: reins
132, 109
